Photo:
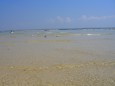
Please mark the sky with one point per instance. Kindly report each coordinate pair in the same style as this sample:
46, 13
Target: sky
42, 14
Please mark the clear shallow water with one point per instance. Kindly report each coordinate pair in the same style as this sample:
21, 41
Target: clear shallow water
100, 41
83, 32
96, 34
89, 39
57, 58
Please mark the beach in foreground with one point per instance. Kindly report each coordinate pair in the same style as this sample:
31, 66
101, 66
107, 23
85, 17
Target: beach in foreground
57, 58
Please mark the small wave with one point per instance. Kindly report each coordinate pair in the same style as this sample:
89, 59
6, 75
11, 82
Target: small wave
93, 34
87, 34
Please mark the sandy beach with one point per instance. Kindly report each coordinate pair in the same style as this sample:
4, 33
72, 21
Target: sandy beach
57, 60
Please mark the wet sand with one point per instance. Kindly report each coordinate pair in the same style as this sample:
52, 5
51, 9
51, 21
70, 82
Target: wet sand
56, 61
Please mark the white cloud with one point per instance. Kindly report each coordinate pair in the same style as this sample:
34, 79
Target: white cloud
60, 19
84, 17
68, 20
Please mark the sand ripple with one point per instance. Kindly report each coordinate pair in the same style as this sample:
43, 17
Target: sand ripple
84, 74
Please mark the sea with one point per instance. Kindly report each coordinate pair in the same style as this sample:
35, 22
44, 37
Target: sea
97, 40
57, 57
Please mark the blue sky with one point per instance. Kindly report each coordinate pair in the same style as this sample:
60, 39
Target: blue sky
37, 14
